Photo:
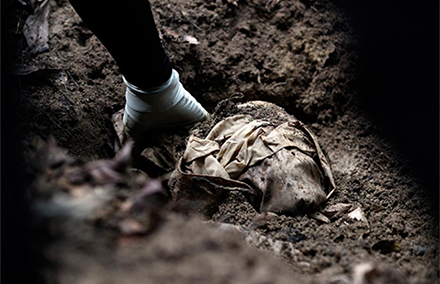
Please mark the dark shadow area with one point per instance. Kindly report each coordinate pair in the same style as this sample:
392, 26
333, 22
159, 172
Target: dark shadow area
399, 79
18, 255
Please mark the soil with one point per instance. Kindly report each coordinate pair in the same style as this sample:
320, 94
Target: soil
305, 56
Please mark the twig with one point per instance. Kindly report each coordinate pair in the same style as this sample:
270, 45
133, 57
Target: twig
60, 56
330, 193
64, 82
17, 31
385, 155
236, 96
281, 83
68, 100
86, 50
72, 78
190, 21
197, 27
379, 166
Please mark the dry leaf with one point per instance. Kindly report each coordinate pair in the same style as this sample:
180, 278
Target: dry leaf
320, 217
36, 29
336, 209
358, 215
118, 125
23, 70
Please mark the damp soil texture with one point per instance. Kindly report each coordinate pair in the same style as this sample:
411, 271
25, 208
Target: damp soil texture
304, 56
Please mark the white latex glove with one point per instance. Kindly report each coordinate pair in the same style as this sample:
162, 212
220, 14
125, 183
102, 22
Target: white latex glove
165, 106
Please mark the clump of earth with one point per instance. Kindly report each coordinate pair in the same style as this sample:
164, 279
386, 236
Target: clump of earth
300, 55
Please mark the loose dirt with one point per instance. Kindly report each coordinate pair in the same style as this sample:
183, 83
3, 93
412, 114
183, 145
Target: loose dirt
301, 55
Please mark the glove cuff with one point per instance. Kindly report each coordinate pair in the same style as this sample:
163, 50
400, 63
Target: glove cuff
152, 100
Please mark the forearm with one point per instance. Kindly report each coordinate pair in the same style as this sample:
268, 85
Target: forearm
128, 31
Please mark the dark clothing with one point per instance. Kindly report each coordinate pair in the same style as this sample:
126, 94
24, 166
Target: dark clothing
128, 31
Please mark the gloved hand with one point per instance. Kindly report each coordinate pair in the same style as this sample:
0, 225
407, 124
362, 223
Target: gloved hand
165, 106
